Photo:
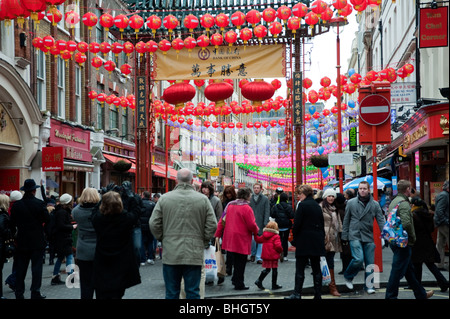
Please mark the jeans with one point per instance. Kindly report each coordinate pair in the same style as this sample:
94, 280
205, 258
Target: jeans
57, 267
256, 249
137, 242
147, 251
172, 277
402, 267
362, 253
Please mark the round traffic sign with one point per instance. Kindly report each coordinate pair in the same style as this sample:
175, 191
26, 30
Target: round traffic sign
374, 109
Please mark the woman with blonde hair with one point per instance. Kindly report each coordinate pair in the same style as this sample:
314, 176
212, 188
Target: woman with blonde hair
87, 239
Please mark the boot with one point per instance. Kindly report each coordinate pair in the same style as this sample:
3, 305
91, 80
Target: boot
317, 280
56, 280
332, 285
263, 275
299, 279
274, 280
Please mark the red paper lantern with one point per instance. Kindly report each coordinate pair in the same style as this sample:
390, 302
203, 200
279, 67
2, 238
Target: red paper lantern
371, 75
190, 22
54, 15
71, 46
253, 17
121, 22
71, 18
327, 14
245, 34
334, 110
326, 112
48, 41
94, 47
299, 10
82, 47
260, 31
316, 115
409, 68
154, 22
109, 66
106, 21
203, 41
231, 37
61, 45
101, 97
346, 11
105, 47
258, 91
190, 43
218, 91
283, 13
37, 42
325, 81
178, 94
307, 117
207, 21
391, 75
355, 78
164, 45
249, 124
242, 83
216, 39
89, 19
402, 73
136, 22
339, 4
313, 97
360, 7
238, 19
177, 44
170, 22
276, 84
373, 3
293, 24
307, 83
275, 28
34, 7
96, 62
92, 95
318, 7
269, 14
80, 58
125, 69
273, 123
311, 19
117, 48
222, 21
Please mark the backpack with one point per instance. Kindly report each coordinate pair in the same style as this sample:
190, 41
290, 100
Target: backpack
393, 230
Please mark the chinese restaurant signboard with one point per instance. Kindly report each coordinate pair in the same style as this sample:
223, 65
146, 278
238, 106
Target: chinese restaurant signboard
53, 159
297, 95
74, 141
433, 27
141, 102
237, 62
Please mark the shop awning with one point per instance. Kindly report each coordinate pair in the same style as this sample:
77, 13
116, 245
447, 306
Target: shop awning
115, 159
160, 171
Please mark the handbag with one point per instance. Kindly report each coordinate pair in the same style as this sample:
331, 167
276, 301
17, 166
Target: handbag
220, 260
326, 277
393, 229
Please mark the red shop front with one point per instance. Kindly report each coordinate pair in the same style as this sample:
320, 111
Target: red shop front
426, 141
77, 158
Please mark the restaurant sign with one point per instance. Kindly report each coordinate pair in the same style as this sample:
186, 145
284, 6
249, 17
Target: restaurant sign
75, 141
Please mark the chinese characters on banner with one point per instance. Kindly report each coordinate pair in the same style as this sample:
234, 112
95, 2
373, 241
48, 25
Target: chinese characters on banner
141, 102
222, 63
53, 158
297, 96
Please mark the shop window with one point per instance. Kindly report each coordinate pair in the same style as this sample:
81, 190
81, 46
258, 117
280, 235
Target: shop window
61, 88
40, 83
113, 119
433, 155
78, 118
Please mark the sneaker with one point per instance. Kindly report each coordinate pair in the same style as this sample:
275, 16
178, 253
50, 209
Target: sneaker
285, 259
348, 283
142, 264
150, 262
370, 291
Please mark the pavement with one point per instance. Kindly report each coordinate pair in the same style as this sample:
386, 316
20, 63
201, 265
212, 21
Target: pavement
152, 286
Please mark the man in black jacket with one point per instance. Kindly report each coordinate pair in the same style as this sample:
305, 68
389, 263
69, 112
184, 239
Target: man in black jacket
147, 253
29, 215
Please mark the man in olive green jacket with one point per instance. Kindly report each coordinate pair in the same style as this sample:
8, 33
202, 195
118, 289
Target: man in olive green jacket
401, 261
184, 221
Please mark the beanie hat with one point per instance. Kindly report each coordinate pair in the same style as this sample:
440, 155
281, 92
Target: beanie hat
15, 196
329, 192
65, 199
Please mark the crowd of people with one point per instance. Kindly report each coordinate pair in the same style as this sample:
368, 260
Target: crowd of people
109, 233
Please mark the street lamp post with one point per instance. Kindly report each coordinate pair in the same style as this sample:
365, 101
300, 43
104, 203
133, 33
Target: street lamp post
337, 22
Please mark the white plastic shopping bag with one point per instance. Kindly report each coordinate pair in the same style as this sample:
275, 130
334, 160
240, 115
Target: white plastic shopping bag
210, 263
326, 277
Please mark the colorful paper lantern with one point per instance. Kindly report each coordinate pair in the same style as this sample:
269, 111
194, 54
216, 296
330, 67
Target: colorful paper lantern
170, 22
178, 94
106, 21
222, 21
299, 10
136, 22
253, 17
207, 21
154, 22
218, 91
238, 19
190, 22
258, 91
275, 28
269, 14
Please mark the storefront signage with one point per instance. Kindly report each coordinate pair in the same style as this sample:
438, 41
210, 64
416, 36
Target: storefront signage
403, 93
353, 136
53, 159
433, 27
297, 95
242, 62
9, 180
141, 102
74, 141
411, 138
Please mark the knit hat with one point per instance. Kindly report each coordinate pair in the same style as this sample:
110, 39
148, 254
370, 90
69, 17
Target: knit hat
15, 196
329, 192
65, 199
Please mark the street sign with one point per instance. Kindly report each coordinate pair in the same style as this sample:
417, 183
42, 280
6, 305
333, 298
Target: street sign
214, 171
340, 159
374, 109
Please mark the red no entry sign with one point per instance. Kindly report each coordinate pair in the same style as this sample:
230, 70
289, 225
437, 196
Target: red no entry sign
374, 109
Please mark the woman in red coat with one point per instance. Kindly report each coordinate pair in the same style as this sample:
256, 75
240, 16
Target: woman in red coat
236, 226
270, 253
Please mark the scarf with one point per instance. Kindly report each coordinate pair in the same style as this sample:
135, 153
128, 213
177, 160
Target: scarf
239, 202
364, 199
